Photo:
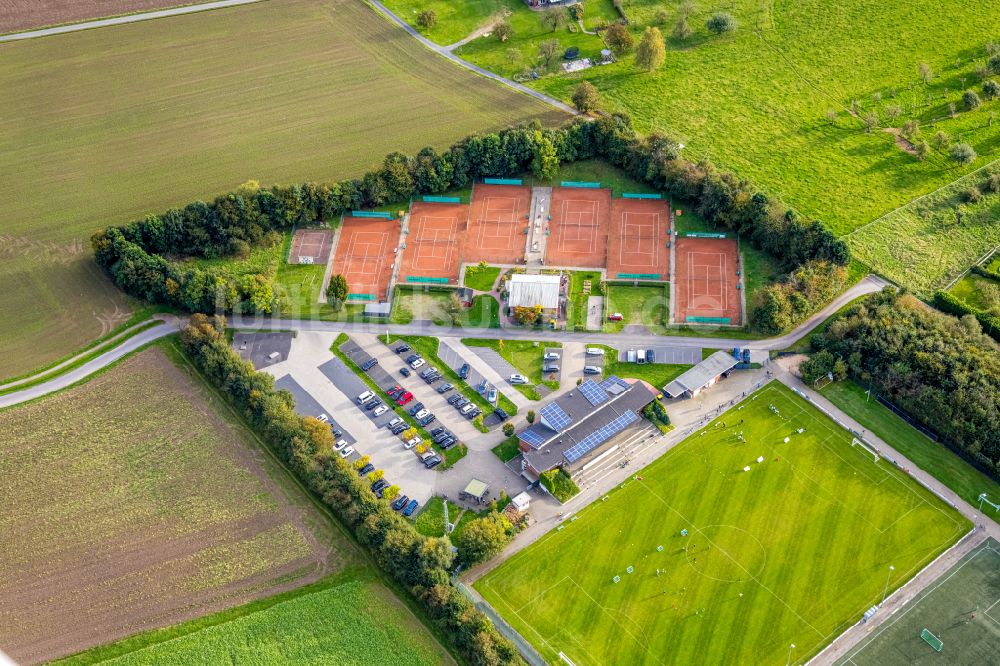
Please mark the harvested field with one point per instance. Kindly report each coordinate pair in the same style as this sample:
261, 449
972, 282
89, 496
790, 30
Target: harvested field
579, 226
107, 125
139, 507
18, 15
497, 222
637, 242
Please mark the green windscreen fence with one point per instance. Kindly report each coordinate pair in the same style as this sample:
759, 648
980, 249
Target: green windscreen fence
705, 234
503, 181
433, 199
371, 213
578, 183
639, 276
636, 195
706, 320
361, 297
429, 280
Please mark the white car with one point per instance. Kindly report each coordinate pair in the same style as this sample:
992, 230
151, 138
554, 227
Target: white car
551, 356
468, 408
365, 397
421, 414
324, 418
410, 444
416, 364
416, 440
339, 446
518, 379
380, 410
346, 452
595, 351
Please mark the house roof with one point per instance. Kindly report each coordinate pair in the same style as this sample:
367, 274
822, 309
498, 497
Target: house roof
531, 290
476, 488
701, 374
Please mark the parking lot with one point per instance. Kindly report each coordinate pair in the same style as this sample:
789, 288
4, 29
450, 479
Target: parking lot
668, 354
306, 405
262, 349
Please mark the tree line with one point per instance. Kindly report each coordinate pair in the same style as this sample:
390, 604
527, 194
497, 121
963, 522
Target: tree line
418, 563
139, 256
942, 371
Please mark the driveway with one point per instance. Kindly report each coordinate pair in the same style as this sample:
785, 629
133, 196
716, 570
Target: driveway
453, 353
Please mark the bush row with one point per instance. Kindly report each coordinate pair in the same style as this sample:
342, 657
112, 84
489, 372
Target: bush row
946, 302
989, 275
418, 563
135, 255
778, 307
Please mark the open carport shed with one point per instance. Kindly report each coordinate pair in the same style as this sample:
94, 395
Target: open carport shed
701, 376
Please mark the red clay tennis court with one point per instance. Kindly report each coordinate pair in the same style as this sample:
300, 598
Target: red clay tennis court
706, 290
637, 242
433, 245
497, 221
311, 246
365, 255
579, 227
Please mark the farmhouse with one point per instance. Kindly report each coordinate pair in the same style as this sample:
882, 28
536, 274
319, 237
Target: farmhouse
581, 425
700, 377
531, 290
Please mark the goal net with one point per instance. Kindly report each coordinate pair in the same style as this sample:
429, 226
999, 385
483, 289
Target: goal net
857, 442
932, 640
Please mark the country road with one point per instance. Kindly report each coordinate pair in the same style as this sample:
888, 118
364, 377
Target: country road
868, 285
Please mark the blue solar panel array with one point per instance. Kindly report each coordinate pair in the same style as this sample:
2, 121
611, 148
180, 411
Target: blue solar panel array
603, 434
533, 437
555, 416
611, 382
593, 393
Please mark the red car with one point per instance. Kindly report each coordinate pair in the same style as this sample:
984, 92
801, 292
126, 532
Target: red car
394, 391
405, 398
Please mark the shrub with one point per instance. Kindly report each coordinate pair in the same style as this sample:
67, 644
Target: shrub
722, 22
586, 97
427, 19
941, 140
661, 17
922, 149
618, 39
994, 63
508, 429
504, 31
681, 29
963, 153
972, 195
559, 484
991, 89
971, 100
992, 183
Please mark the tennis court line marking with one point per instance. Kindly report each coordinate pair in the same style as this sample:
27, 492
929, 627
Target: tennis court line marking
720, 268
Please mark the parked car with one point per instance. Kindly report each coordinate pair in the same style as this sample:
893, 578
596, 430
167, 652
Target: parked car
394, 390
422, 413
650, 356
437, 430
396, 429
419, 362
447, 443
339, 446
463, 372
400, 502
323, 417
408, 445
427, 420
412, 357
372, 404
402, 348
381, 483
369, 364
405, 372
615, 316
432, 463
380, 410
427, 372
501, 414
403, 399
595, 351
346, 452
410, 508
518, 379
482, 386
455, 398
492, 394
416, 408
440, 436
467, 408
445, 388
365, 397
367, 469
461, 402
433, 378
336, 431
394, 422
474, 413
416, 440
550, 356
551, 367
591, 370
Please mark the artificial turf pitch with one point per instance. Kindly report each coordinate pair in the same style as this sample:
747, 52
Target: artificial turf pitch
962, 609
791, 552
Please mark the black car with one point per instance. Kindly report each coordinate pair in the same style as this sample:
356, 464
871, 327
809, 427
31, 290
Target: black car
437, 431
369, 364
336, 432
378, 485
427, 420
433, 379
463, 372
501, 414
462, 402
398, 428
412, 357
372, 404
447, 443
416, 408
405, 372
441, 436
367, 469
431, 463
402, 348
650, 356
445, 388
474, 413
455, 398
400, 502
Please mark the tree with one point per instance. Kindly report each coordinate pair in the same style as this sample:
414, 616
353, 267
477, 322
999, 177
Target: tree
586, 97
870, 119
925, 71
553, 19
508, 429
971, 100
940, 140
993, 64
361, 462
483, 538
922, 150
504, 31
530, 416
427, 19
545, 159
618, 38
514, 56
549, 52
337, 288
892, 111
390, 493
661, 16
682, 30
910, 128
991, 89
652, 51
722, 22
525, 315
963, 153
376, 475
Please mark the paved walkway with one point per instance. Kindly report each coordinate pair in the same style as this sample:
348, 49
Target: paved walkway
120, 20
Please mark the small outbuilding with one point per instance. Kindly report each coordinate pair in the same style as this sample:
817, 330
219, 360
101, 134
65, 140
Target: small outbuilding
477, 491
530, 290
700, 377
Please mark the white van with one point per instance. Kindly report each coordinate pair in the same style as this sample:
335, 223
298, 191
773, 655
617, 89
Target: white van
365, 397
641, 356
468, 408
595, 351
630, 356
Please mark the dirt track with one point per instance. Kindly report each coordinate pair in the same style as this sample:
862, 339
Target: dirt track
25, 14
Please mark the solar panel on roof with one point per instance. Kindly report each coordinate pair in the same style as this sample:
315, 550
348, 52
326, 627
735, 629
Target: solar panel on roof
555, 416
601, 435
612, 383
594, 394
533, 438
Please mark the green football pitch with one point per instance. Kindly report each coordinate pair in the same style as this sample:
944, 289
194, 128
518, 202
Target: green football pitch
961, 609
792, 551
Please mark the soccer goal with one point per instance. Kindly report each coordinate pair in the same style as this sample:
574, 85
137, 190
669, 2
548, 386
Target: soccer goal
857, 442
932, 640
